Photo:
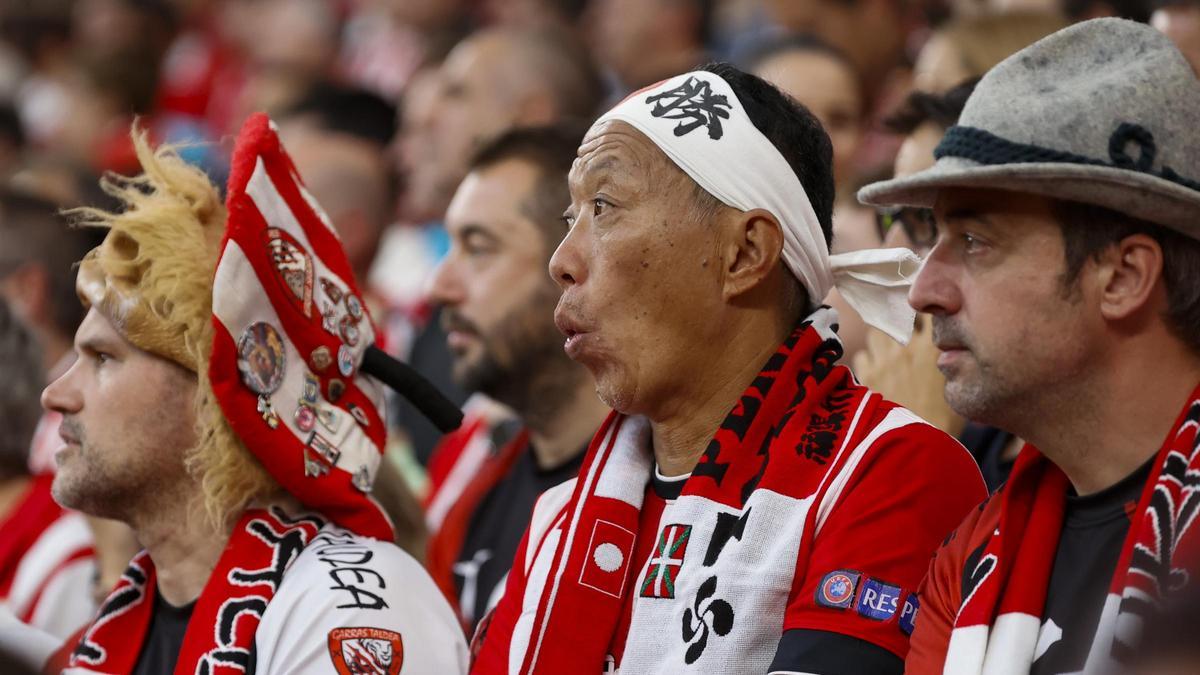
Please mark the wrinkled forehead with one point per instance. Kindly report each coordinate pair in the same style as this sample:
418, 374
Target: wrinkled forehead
613, 150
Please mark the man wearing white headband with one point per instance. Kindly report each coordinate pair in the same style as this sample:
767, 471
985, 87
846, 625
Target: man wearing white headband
749, 507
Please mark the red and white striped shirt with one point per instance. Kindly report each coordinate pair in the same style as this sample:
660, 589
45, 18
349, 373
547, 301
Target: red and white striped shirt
47, 562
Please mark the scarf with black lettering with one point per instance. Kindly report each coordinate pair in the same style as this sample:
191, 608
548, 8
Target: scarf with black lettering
771, 462
221, 631
1000, 621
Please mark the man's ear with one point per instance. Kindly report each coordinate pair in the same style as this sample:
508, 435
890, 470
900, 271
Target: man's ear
753, 246
1129, 272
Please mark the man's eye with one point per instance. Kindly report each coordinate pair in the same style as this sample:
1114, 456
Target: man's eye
971, 244
476, 243
568, 219
476, 248
102, 358
598, 205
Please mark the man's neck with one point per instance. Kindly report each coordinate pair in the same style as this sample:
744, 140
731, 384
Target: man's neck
1106, 428
683, 429
184, 546
558, 435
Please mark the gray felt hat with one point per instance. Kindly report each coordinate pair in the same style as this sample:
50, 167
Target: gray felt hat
1104, 112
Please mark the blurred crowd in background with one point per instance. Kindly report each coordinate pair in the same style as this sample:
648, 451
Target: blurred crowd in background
383, 103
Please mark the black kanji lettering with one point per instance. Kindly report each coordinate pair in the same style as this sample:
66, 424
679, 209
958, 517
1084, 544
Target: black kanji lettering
694, 103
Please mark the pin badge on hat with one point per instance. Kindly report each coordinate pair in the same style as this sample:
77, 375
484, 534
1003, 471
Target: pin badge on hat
261, 362
306, 417
349, 330
354, 306
319, 456
329, 419
336, 389
359, 414
329, 319
362, 479
311, 391
294, 267
331, 290
345, 361
321, 358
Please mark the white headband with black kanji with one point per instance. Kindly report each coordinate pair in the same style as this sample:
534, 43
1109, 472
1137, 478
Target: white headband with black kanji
698, 121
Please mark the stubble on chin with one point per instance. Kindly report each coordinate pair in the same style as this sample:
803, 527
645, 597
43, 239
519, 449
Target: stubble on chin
83, 485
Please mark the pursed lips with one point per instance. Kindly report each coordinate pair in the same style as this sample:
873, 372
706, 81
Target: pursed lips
572, 329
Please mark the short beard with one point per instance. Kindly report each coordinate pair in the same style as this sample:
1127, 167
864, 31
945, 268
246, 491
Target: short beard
522, 363
125, 493
984, 400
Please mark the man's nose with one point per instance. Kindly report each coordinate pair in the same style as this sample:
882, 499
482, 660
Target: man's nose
935, 290
445, 286
62, 395
567, 265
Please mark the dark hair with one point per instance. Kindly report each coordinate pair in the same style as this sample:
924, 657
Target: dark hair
1089, 230
551, 150
794, 131
348, 110
920, 107
1134, 10
19, 398
32, 230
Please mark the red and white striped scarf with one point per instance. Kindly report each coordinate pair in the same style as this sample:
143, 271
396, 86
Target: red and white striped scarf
779, 454
998, 625
221, 631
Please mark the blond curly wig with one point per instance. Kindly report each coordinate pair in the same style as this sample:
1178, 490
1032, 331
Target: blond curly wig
152, 278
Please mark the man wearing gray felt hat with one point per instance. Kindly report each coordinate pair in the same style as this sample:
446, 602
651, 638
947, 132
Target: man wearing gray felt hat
1064, 290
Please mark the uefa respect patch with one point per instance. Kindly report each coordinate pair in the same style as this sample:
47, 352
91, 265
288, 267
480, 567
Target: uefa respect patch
877, 600
837, 589
908, 614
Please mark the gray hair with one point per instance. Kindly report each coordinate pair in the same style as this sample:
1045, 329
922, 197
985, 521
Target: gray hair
20, 407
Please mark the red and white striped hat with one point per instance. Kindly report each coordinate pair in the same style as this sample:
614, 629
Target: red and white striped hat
290, 335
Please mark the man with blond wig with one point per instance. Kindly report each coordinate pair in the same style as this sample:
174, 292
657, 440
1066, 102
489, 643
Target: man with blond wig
238, 441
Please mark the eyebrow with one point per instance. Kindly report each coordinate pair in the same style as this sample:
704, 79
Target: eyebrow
94, 344
476, 229
966, 213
